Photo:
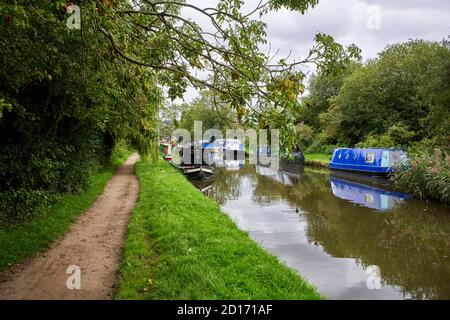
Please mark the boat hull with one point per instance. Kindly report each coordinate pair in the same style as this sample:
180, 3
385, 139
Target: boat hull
196, 172
361, 169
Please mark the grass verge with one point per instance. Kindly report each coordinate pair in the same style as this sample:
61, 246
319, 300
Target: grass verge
23, 240
180, 245
317, 159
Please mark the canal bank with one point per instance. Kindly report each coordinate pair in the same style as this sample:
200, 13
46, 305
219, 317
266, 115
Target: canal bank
180, 245
317, 160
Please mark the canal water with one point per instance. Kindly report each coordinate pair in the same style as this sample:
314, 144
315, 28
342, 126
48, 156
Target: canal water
351, 237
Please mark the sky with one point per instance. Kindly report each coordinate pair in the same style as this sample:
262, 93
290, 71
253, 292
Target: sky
370, 24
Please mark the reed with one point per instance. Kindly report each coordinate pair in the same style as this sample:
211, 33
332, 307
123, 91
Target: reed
427, 176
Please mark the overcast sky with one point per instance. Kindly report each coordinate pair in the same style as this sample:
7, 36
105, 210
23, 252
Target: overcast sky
370, 24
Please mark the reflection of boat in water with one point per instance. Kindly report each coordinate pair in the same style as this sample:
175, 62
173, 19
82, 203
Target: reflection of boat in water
365, 195
230, 165
377, 181
203, 185
265, 155
288, 174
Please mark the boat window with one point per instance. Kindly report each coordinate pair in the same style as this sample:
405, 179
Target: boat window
369, 198
340, 155
370, 157
397, 157
347, 156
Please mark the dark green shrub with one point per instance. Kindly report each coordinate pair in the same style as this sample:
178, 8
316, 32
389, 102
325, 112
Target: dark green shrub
36, 171
397, 135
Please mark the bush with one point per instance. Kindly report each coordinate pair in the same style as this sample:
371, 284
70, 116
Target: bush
17, 205
376, 141
39, 170
305, 135
321, 144
397, 135
427, 176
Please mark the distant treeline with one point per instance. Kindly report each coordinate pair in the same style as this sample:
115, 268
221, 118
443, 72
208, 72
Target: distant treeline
399, 99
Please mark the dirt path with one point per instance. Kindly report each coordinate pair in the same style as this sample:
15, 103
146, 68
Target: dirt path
93, 243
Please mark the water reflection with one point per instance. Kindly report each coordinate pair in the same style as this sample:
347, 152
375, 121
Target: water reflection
288, 174
365, 195
230, 165
335, 240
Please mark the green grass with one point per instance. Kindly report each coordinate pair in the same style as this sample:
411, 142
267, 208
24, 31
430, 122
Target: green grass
180, 245
20, 241
317, 159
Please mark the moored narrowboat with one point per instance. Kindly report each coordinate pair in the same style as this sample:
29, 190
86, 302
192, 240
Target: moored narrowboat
371, 161
195, 172
165, 149
192, 165
294, 157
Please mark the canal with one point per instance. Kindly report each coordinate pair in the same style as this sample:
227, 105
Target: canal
352, 238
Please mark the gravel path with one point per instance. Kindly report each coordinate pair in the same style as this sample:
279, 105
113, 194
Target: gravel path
93, 244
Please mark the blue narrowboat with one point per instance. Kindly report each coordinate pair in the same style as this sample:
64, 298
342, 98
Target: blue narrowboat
372, 161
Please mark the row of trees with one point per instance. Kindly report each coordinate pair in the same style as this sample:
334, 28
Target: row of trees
67, 95
399, 99
204, 108
65, 99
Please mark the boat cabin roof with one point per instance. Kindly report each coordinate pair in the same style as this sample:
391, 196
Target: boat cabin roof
369, 149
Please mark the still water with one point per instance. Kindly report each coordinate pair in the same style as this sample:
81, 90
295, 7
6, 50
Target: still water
349, 236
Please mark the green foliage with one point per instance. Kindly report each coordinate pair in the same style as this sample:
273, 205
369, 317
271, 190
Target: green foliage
185, 247
67, 96
121, 152
243, 78
4, 106
38, 173
68, 101
427, 176
297, 5
319, 147
323, 87
334, 58
396, 136
212, 114
395, 100
377, 141
305, 134
394, 88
